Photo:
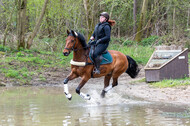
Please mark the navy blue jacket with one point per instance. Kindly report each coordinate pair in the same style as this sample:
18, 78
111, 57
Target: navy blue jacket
102, 33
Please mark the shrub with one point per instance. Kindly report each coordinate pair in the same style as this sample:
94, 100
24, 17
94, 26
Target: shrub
129, 43
149, 41
19, 54
4, 48
12, 73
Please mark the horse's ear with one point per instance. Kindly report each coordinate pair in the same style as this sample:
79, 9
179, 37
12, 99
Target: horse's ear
74, 33
68, 32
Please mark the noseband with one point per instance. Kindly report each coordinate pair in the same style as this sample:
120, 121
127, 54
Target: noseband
72, 48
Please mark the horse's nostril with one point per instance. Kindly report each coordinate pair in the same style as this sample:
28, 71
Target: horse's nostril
65, 54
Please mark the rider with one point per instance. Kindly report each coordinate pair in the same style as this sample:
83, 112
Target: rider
101, 36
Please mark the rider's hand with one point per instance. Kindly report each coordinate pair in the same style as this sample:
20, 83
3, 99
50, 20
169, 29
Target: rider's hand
98, 41
90, 42
92, 38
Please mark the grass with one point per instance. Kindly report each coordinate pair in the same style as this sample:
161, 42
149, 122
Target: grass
172, 83
22, 66
140, 54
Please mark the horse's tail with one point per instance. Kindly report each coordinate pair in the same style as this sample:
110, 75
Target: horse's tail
133, 69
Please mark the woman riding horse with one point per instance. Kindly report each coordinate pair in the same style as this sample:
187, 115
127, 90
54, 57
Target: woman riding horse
101, 36
82, 66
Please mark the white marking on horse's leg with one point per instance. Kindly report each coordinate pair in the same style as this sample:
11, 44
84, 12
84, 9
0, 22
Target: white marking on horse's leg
85, 96
108, 88
66, 90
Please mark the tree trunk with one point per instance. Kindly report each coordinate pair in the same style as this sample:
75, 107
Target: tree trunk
134, 17
85, 2
174, 22
118, 32
7, 28
140, 29
36, 28
188, 15
48, 21
21, 18
112, 8
89, 17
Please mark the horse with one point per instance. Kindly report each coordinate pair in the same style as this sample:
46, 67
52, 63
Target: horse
82, 66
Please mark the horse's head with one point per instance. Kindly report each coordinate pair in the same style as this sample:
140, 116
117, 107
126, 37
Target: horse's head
71, 42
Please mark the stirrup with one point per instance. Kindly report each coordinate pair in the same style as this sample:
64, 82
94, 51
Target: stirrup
96, 71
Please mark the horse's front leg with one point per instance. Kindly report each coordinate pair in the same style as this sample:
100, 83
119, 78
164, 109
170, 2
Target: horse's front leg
66, 89
82, 83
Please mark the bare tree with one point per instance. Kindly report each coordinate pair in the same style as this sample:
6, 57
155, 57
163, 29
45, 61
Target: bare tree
89, 9
36, 28
21, 18
134, 17
140, 30
188, 15
7, 27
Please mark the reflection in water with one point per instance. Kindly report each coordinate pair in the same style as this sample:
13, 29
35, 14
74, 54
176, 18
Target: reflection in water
22, 106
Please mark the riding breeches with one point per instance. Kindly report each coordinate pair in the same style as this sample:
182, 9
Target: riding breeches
99, 49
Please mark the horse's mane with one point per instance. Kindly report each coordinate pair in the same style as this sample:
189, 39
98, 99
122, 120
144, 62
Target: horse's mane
82, 40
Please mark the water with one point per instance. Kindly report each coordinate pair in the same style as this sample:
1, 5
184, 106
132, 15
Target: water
47, 106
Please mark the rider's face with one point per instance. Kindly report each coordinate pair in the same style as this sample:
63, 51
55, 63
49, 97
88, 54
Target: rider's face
102, 19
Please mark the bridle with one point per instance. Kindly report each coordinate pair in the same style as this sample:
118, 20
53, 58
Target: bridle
73, 49
86, 52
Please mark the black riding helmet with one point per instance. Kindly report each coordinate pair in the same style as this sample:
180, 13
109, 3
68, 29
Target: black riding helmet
106, 15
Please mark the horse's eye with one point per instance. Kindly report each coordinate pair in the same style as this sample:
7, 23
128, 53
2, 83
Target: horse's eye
72, 40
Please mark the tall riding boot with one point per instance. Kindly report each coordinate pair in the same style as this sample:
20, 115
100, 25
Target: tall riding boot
97, 61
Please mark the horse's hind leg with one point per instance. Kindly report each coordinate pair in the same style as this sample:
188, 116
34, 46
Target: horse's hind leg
106, 85
109, 87
115, 82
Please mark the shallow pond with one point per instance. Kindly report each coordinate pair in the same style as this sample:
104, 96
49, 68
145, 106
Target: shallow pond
47, 106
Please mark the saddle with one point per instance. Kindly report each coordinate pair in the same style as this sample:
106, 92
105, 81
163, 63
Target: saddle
105, 57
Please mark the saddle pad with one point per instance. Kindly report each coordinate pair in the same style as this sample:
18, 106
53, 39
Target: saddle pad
107, 58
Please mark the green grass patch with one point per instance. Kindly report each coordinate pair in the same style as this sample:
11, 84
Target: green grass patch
12, 73
172, 83
138, 81
140, 54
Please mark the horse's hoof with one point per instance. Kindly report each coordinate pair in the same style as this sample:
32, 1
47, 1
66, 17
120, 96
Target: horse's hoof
103, 94
88, 97
66, 81
70, 98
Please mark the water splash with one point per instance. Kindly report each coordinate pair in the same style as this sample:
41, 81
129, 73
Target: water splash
112, 98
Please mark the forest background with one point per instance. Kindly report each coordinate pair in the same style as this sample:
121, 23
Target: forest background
28, 23
33, 32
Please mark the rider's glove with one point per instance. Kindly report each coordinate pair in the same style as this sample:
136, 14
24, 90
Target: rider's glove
98, 41
90, 42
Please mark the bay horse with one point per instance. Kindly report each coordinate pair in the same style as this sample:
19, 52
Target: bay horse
82, 66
